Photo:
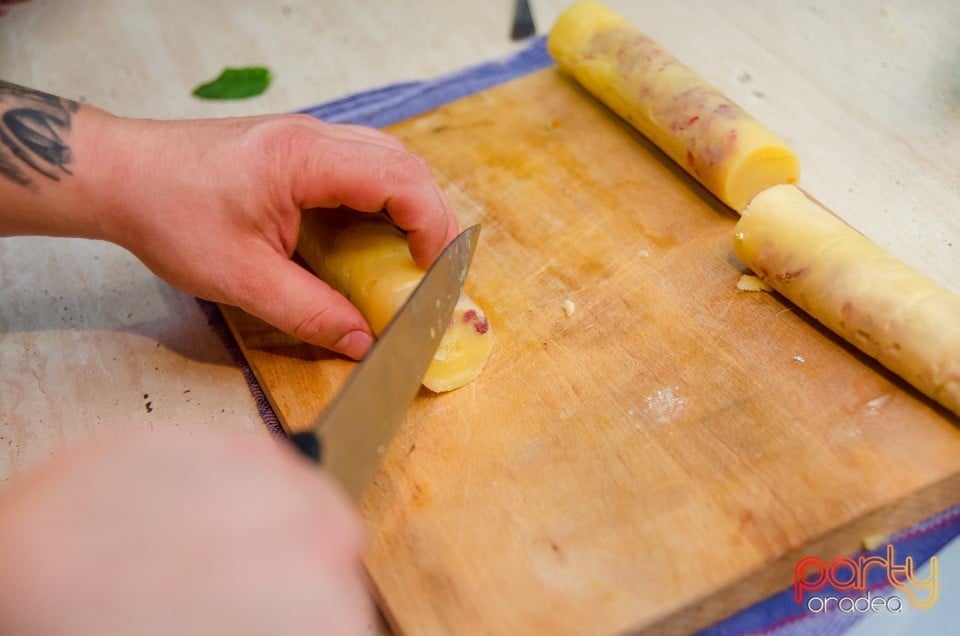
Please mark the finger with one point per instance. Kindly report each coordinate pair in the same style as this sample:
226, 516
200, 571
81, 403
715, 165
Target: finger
349, 132
294, 300
371, 177
365, 133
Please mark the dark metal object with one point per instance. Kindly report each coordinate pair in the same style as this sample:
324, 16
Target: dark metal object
523, 26
355, 429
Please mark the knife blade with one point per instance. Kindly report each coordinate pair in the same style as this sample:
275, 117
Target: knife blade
352, 433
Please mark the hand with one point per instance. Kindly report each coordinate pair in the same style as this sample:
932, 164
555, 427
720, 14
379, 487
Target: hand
213, 207
170, 534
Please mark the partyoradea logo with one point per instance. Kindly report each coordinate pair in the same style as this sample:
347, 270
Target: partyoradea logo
848, 574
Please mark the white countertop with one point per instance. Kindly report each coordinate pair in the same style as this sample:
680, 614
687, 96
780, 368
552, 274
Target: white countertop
868, 93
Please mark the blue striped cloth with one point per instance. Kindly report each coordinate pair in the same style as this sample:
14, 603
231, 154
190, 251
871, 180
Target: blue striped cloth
779, 614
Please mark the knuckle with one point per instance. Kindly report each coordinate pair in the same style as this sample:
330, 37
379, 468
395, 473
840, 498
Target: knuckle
407, 169
395, 141
282, 139
279, 137
279, 151
417, 164
302, 119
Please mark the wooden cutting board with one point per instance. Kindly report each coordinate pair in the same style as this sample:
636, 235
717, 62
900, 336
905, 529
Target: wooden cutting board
658, 459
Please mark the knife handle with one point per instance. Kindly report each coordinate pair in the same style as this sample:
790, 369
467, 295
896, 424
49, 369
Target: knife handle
309, 445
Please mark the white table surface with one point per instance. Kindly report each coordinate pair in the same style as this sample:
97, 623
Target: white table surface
867, 92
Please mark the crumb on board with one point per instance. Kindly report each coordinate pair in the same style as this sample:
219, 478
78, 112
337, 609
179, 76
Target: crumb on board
750, 283
568, 307
873, 541
874, 405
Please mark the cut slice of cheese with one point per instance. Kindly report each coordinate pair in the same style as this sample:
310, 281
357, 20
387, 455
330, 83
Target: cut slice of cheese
366, 258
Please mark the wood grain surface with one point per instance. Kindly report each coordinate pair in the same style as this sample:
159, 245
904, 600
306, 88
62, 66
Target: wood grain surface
658, 459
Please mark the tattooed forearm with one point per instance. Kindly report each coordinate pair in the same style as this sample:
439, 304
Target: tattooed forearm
32, 125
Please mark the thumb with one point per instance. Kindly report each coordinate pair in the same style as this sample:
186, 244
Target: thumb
294, 300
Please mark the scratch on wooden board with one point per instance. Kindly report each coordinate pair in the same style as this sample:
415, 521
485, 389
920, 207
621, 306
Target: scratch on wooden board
468, 433
723, 312
464, 502
544, 267
620, 262
593, 224
723, 324
469, 210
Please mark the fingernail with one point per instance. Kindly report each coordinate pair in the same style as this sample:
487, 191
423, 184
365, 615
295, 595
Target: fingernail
354, 344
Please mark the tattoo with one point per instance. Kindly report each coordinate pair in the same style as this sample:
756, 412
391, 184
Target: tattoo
31, 128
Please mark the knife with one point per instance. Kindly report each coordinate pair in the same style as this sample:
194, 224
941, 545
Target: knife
352, 433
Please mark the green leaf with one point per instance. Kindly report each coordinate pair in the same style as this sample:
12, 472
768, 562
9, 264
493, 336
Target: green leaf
236, 83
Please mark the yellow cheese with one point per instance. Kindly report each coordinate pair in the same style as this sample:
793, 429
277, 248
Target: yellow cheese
366, 259
891, 312
713, 139
748, 283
